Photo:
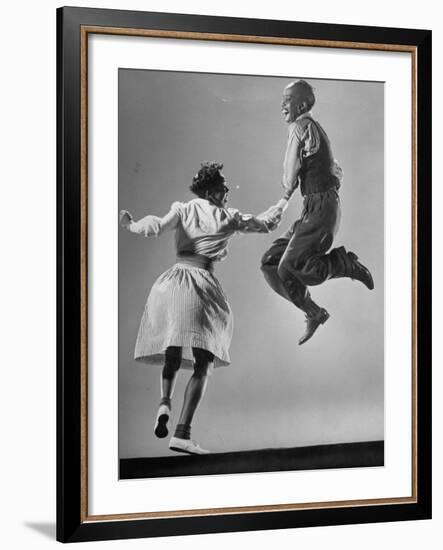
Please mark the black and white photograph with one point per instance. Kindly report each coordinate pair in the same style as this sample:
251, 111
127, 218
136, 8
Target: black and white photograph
218, 248
250, 273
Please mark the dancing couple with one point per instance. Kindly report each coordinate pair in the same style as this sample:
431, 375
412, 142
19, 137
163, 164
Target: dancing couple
187, 310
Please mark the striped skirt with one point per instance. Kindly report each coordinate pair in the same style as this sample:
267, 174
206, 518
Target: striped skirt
187, 308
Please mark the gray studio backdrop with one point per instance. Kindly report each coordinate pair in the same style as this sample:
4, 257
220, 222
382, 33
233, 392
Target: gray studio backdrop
275, 393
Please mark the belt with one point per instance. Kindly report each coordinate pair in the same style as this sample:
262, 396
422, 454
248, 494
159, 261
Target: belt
319, 193
195, 260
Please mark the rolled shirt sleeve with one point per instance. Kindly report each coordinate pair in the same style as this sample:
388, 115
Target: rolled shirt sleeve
303, 141
310, 139
293, 157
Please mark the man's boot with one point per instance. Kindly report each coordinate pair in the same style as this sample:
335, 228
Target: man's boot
346, 264
313, 321
301, 298
359, 272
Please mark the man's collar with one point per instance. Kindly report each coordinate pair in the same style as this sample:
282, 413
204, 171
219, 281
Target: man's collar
304, 115
291, 125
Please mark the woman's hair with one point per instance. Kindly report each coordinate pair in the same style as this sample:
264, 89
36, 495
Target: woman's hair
208, 177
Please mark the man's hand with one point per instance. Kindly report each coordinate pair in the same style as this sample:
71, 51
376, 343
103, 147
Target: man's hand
272, 213
272, 224
125, 219
272, 217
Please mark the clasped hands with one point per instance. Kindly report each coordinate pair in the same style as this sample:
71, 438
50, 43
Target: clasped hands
272, 216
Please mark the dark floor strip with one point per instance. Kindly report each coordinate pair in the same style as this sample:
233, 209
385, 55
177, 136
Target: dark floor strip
343, 455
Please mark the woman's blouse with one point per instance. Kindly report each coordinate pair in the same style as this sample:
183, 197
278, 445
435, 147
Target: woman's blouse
201, 227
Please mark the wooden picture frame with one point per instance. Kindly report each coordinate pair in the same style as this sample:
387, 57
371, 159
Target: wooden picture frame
74, 522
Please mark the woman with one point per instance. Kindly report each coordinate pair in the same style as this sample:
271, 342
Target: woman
187, 320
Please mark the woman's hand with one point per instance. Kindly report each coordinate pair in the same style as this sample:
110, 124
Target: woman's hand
125, 219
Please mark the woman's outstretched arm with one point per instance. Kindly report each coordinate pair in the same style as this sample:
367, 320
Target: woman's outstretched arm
150, 226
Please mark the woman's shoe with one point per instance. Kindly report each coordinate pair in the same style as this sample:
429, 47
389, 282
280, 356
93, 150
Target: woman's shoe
186, 446
161, 421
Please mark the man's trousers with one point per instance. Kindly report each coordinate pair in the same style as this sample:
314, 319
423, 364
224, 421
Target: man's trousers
300, 257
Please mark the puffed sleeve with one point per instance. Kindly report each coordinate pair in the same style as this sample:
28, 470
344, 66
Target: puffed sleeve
153, 226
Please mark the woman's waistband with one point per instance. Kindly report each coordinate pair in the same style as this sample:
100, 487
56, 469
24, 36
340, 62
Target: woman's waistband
195, 260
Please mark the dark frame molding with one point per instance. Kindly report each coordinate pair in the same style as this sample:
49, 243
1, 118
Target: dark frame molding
73, 524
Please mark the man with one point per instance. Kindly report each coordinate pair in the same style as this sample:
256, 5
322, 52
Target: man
300, 258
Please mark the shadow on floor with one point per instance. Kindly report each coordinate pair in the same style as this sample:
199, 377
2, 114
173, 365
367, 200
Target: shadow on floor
45, 529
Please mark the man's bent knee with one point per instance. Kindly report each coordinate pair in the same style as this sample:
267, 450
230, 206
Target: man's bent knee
286, 271
268, 269
269, 260
313, 272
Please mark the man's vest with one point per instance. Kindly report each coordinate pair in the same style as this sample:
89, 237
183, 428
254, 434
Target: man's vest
317, 172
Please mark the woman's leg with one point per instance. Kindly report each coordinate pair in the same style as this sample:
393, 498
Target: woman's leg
194, 392
173, 357
195, 389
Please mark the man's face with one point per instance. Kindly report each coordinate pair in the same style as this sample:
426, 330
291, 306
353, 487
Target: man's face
290, 103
